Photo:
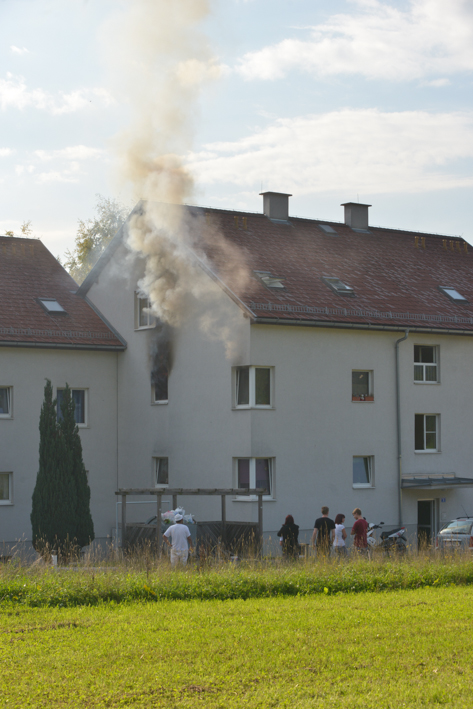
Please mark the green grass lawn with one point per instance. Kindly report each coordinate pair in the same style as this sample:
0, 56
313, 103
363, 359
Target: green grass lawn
411, 648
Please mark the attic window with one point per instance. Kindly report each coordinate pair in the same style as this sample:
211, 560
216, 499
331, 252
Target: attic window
51, 305
453, 294
328, 229
338, 286
269, 280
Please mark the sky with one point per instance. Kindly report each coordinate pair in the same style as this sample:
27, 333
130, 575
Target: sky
329, 100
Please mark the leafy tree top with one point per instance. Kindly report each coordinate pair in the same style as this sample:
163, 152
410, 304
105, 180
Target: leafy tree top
93, 235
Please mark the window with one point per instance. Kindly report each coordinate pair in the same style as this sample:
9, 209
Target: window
51, 305
5, 402
79, 397
363, 471
161, 471
6, 488
426, 433
425, 364
144, 318
253, 473
362, 386
269, 280
253, 387
453, 294
328, 229
338, 286
160, 387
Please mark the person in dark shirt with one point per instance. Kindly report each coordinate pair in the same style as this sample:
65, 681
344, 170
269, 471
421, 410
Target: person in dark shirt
290, 538
324, 532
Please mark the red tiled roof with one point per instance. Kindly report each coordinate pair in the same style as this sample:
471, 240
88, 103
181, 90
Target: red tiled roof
395, 274
28, 271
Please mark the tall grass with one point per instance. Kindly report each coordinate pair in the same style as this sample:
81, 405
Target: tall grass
142, 577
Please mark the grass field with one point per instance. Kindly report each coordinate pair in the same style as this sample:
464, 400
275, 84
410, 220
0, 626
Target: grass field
411, 648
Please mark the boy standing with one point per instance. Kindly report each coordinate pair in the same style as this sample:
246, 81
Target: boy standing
359, 530
324, 532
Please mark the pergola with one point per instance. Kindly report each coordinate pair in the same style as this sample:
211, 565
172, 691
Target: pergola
159, 492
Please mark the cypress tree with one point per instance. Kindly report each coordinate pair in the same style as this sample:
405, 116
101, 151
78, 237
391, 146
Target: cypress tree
54, 495
83, 531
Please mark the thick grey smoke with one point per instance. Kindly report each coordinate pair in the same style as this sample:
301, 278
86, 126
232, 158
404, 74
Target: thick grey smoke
161, 61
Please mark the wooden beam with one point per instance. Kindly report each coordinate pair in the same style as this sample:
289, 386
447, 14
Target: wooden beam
159, 536
238, 492
174, 501
260, 524
224, 521
123, 522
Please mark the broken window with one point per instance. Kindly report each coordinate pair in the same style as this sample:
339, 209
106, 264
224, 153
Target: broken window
161, 471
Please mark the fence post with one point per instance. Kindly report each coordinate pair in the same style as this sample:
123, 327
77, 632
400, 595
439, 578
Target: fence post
224, 521
174, 502
159, 536
123, 522
260, 524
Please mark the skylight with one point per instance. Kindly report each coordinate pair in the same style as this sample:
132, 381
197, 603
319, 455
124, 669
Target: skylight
269, 280
453, 294
328, 229
51, 305
338, 286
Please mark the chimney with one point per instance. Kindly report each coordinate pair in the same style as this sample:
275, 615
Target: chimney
356, 215
276, 205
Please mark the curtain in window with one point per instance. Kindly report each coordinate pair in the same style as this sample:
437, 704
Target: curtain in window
244, 473
263, 474
243, 386
5, 400
4, 486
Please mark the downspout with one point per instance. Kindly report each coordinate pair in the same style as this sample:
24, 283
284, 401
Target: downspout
398, 416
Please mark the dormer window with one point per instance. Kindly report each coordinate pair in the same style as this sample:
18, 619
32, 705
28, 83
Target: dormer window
338, 286
453, 294
51, 305
328, 229
270, 280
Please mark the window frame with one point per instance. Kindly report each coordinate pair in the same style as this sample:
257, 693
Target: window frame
436, 349
252, 387
367, 397
428, 451
459, 301
371, 483
9, 415
10, 489
252, 473
155, 460
151, 319
158, 402
346, 291
86, 404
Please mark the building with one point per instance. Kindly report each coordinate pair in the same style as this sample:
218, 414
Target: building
295, 385
327, 362
47, 331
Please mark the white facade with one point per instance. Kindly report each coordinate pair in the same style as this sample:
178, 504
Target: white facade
312, 430
24, 371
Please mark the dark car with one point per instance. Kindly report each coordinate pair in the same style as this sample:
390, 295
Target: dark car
456, 534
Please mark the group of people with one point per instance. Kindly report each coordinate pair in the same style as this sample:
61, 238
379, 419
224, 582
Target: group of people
327, 534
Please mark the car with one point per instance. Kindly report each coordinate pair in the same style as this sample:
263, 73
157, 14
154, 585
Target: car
456, 534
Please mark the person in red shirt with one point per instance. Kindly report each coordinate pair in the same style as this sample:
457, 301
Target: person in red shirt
358, 531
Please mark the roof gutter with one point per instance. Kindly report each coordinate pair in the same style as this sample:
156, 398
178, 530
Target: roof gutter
358, 326
64, 346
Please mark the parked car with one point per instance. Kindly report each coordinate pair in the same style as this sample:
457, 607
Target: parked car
456, 534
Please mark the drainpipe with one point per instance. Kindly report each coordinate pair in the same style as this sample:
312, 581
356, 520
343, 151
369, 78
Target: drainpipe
398, 413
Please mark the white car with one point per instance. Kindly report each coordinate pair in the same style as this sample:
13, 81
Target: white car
456, 534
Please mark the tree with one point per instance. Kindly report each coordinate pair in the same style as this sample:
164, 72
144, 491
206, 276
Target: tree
93, 235
54, 494
83, 524
25, 230
60, 515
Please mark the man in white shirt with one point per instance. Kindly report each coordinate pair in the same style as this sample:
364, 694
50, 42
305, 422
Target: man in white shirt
180, 542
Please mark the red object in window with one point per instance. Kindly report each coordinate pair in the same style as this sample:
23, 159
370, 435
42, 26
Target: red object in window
471, 541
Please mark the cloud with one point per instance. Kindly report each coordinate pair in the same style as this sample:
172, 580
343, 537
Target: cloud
73, 152
18, 50
348, 151
65, 164
14, 93
378, 40
4, 152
